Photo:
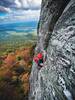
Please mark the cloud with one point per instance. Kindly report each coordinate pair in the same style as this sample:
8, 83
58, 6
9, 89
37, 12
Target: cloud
19, 10
24, 3
31, 4
4, 9
26, 15
21, 4
20, 16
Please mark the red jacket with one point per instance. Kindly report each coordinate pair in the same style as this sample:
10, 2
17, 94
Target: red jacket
38, 57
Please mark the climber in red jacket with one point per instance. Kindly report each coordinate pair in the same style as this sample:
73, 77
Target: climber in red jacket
40, 59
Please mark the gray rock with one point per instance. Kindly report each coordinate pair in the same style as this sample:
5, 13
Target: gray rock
56, 31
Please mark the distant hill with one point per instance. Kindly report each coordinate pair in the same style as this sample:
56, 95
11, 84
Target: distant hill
18, 29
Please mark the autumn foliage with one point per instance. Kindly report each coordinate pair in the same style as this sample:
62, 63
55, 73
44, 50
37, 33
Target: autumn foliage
15, 68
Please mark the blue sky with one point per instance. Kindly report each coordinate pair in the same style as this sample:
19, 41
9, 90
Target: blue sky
19, 10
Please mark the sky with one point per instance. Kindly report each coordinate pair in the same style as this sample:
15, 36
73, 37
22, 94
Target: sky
19, 10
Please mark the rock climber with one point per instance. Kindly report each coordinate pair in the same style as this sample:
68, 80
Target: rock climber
40, 58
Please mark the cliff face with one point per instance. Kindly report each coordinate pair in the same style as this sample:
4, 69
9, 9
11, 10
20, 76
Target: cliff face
56, 32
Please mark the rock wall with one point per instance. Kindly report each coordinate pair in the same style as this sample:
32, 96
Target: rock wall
51, 10
56, 32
